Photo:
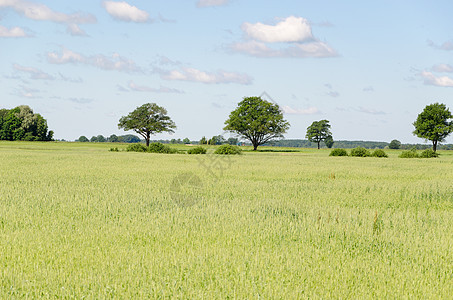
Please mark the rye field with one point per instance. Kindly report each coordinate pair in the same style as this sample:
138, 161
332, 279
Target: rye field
79, 221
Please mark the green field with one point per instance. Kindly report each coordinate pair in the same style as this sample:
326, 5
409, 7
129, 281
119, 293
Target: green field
78, 221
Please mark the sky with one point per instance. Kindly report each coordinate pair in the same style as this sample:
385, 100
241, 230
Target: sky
369, 67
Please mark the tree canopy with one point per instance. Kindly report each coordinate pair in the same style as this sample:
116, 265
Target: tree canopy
433, 124
146, 120
257, 120
318, 131
21, 123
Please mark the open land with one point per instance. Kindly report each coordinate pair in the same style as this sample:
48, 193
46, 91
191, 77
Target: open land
79, 221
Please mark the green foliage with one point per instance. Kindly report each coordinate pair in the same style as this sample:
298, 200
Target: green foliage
160, 148
338, 152
83, 139
228, 150
379, 153
257, 120
409, 154
433, 124
360, 152
21, 123
329, 141
319, 131
395, 144
233, 141
203, 141
186, 141
197, 150
137, 148
146, 120
428, 153
114, 149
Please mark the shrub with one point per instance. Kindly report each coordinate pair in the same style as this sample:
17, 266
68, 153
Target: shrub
338, 152
360, 152
228, 149
160, 148
428, 153
379, 153
114, 149
137, 148
197, 150
409, 154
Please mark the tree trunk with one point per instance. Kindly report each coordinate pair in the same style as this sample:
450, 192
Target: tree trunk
434, 146
147, 139
318, 144
254, 147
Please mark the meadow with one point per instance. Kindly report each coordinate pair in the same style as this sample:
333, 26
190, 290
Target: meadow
79, 221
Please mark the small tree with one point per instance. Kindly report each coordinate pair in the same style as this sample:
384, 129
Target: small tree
146, 120
186, 141
433, 124
83, 139
318, 131
257, 120
203, 141
113, 138
395, 144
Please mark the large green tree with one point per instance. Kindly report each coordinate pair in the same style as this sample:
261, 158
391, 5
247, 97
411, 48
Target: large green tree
257, 120
318, 131
434, 124
146, 120
21, 123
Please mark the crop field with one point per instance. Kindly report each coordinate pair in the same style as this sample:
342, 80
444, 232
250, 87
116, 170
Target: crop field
79, 221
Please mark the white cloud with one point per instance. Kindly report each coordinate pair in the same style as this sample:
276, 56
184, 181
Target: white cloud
126, 12
443, 68
207, 3
291, 29
192, 74
161, 89
13, 32
297, 111
431, 79
371, 111
447, 46
115, 62
34, 73
295, 34
41, 12
368, 89
74, 29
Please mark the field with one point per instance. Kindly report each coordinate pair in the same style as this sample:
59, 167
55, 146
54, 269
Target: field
78, 221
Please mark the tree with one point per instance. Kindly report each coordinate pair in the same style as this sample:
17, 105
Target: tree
101, 139
257, 120
318, 131
146, 120
395, 144
329, 141
83, 139
186, 141
113, 138
203, 141
433, 124
94, 139
232, 141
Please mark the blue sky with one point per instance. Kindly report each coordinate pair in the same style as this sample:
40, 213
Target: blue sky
370, 67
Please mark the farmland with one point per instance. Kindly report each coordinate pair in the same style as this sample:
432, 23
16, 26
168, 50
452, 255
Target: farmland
77, 220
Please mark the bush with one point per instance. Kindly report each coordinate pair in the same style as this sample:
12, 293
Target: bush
114, 149
409, 154
360, 152
428, 153
197, 150
379, 153
136, 148
338, 152
160, 148
228, 149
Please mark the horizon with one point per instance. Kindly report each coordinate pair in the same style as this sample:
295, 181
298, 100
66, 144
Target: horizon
368, 68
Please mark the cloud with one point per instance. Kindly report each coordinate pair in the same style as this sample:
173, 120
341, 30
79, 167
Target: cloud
13, 32
294, 32
195, 75
371, 111
296, 111
68, 79
34, 73
447, 46
161, 89
113, 63
442, 68
331, 92
40, 12
208, 3
74, 30
81, 100
441, 81
125, 12
26, 92
291, 29
368, 89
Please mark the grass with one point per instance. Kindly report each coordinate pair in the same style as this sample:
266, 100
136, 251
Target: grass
78, 221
